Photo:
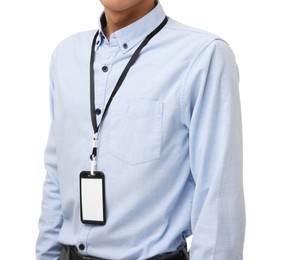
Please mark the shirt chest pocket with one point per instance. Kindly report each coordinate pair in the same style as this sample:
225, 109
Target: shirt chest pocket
136, 131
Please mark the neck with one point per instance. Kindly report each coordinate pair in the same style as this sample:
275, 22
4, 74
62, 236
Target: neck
119, 19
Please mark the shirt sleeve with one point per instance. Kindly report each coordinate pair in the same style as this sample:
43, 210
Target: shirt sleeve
213, 117
50, 222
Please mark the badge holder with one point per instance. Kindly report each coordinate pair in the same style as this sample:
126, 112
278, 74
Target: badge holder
92, 198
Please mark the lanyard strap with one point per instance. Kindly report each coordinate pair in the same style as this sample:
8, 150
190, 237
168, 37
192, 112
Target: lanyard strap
123, 75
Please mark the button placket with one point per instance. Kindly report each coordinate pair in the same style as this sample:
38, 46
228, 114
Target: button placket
82, 240
103, 65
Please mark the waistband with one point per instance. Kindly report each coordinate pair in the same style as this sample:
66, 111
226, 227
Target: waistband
71, 253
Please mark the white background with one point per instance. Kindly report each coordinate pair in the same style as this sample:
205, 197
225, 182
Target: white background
29, 32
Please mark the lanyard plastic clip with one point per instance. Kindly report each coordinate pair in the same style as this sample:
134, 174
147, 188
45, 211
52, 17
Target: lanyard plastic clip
93, 156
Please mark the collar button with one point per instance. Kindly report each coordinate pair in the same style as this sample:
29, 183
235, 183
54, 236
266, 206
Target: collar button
125, 46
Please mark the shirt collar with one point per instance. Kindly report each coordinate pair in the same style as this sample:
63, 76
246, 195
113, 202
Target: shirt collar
132, 34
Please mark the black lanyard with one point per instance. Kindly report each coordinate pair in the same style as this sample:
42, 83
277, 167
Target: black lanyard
123, 75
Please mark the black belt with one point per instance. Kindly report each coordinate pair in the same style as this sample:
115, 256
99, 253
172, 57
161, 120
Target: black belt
71, 253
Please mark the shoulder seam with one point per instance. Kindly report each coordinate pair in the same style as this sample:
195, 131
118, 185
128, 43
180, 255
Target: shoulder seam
203, 48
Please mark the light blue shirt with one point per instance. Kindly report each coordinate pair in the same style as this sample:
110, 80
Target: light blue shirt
170, 146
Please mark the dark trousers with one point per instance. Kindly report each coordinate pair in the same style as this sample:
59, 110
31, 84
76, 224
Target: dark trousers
71, 253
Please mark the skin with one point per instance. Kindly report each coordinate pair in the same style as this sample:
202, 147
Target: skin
120, 13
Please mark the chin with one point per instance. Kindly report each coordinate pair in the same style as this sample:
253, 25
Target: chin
120, 5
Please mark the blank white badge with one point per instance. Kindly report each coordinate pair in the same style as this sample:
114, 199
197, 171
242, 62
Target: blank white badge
92, 198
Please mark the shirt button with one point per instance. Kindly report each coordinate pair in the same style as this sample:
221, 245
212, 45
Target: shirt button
81, 247
125, 46
98, 111
104, 68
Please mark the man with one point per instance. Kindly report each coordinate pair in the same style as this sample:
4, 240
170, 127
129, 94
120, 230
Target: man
166, 155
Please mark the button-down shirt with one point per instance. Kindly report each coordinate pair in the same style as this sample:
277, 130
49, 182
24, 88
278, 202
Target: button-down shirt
170, 145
